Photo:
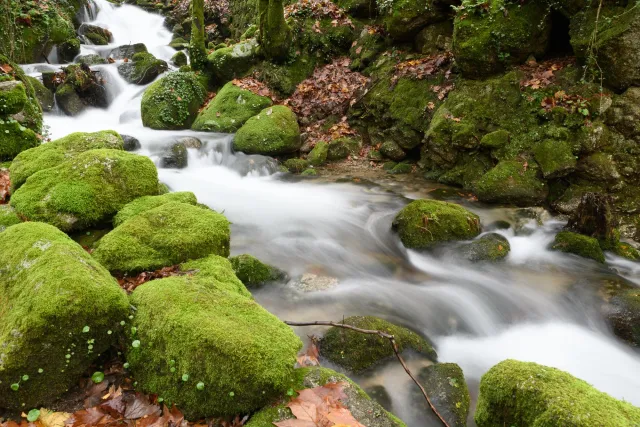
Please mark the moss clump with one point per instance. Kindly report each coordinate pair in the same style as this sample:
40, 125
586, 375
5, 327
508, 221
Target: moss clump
284, 78
448, 391
403, 19
252, 272
625, 250
401, 168
179, 59
192, 329
8, 217
342, 148
512, 182
234, 61
296, 165
43, 95
623, 315
424, 223
357, 352
309, 172
15, 139
173, 101
68, 50
230, 109
32, 112
51, 292
58, 151
142, 69
169, 234
556, 159
490, 247
362, 407
273, 131
146, 203
584, 246
86, 190
522, 393
319, 154
495, 139
13, 97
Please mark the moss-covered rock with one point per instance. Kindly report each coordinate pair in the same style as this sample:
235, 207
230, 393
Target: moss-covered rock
623, 315
8, 217
91, 59
495, 139
273, 131
357, 352
625, 250
486, 40
490, 247
284, 78
360, 405
169, 234
173, 101
309, 172
95, 34
179, 59
524, 393
319, 154
366, 49
82, 88
86, 190
392, 150
68, 50
230, 109
43, 95
556, 158
512, 182
584, 246
296, 165
60, 308
436, 38
13, 97
31, 115
234, 61
341, 148
204, 344
401, 168
252, 272
58, 151
127, 51
448, 392
142, 69
424, 223
403, 19
15, 139
146, 203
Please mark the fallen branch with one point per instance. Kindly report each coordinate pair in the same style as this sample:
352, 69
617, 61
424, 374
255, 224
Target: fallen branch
394, 345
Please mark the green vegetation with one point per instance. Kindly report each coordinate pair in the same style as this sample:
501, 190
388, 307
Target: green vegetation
273, 131
448, 390
512, 182
173, 101
584, 246
319, 154
8, 217
252, 272
143, 204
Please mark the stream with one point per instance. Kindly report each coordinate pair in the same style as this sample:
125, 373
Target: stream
537, 305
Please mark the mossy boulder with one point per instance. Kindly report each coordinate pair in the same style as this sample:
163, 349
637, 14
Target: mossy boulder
15, 139
87, 190
127, 51
556, 158
392, 150
59, 151
309, 172
68, 50
401, 169
273, 131
252, 272
8, 217
578, 244
424, 223
357, 352
43, 95
13, 97
623, 315
31, 114
234, 61
179, 59
318, 155
142, 69
143, 204
495, 139
403, 19
230, 109
486, 40
448, 392
173, 101
204, 344
82, 88
59, 309
169, 234
296, 165
512, 182
364, 409
525, 393
95, 34
342, 148
490, 247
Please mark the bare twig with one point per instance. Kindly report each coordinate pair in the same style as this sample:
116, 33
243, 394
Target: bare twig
394, 345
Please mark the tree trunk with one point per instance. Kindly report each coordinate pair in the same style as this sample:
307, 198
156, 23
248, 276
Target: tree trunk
275, 34
197, 50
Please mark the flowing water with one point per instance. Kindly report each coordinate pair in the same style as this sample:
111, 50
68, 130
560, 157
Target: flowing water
536, 306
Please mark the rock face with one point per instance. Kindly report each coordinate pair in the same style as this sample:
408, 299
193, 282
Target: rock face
273, 131
173, 101
86, 190
424, 223
169, 234
357, 352
230, 109
204, 344
521, 393
55, 298
448, 391
578, 244
143, 204
142, 69
252, 272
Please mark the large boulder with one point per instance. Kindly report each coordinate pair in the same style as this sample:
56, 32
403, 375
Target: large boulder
204, 344
61, 309
424, 223
230, 109
447, 389
143, 68
169, 234
578, 244
524, 393
58, 151
513, 182
623, 315
357, 352
556, 158
86, 190
173, 101
273, 131
146, 203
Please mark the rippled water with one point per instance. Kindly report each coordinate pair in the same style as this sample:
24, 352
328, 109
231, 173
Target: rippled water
537, 306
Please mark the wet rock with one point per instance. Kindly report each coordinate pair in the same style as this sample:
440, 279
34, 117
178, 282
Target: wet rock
392, 150
594, 217
273, 131
342, 148
447, 389
91, 59
94, 34
435, 38
513, 392
380, 394
130, 143
490, 247
82, 88
68, 50
624, 114
44, 95
254, 273
173, 101
190, 142
357, 352
146, 203
127, 51
296, 165
623, 315
143, 68
578, 244
424, 223
312, 283
175, 157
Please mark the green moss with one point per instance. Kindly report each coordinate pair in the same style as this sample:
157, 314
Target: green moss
86, 190
521, 393
490, 247
43, 95
424, 223
357, 352
146, 203
584, 246
623, 315
404, 18
495, 139
296, 165
51, 290
173, 101
208, 333
197, 49
511, 182
68, 100
142, 69
321, 38
392, 150
284, 78
625, 250
252, 272
309, 172
15, 138
448, 391
401, 168
319, 154
58, 151
8, 217
342, 148
273, 131
68, 49
470, 169
32, 112
366, 49
275, 34
13, 97
233, 61
169, 234
179, 59
230, 109
556, 159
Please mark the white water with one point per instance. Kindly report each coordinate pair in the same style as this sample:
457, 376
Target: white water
477, 315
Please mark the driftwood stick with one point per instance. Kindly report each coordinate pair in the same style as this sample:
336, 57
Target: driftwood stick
394, 346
